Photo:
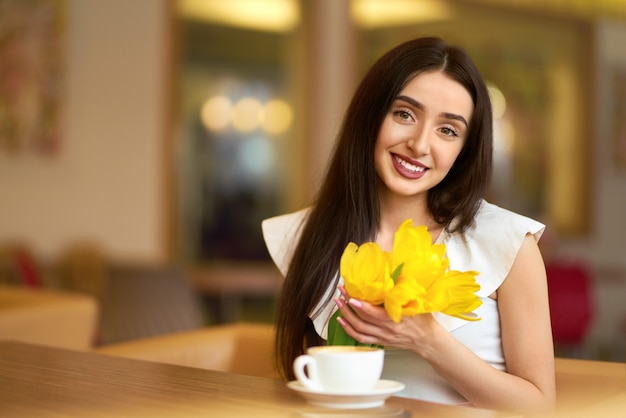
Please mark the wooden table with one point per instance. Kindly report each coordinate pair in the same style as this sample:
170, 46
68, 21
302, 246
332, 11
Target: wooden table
38, 381
587, 388
53, 317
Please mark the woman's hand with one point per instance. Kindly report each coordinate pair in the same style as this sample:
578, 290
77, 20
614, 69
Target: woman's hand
370, 324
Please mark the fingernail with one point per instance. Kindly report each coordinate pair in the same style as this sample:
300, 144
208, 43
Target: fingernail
355, 303
341, 321
339, 302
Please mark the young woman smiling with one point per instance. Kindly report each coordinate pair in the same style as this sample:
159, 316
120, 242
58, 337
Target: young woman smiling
416, 143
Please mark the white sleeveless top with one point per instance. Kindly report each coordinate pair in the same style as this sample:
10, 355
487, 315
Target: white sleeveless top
489, 246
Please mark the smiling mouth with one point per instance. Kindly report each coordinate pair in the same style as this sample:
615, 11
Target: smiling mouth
408, 166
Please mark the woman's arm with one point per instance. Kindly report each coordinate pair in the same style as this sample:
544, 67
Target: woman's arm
527, 386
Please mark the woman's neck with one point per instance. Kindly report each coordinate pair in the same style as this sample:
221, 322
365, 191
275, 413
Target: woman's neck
393, 212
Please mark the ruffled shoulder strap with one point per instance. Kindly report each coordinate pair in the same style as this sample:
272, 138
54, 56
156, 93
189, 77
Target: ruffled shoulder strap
491, 244
281, 235
490, 247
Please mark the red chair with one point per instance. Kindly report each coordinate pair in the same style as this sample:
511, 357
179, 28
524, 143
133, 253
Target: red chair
572, 303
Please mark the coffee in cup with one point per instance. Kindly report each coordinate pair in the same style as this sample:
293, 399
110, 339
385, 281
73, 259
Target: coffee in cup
340, 369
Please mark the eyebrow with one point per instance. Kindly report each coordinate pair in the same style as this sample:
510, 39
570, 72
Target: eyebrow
420, 106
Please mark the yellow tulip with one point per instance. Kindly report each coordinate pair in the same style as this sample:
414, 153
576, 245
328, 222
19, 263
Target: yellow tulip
405, 299
413, 279
461, 300
413, 246
365, 271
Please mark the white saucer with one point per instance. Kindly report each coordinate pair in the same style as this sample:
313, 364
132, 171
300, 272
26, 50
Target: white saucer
369, 399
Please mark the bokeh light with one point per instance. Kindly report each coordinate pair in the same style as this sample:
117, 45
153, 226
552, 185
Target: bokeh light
276, 116
245, 115
215, 113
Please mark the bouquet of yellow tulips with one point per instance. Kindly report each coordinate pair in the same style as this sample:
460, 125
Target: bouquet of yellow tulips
413, 279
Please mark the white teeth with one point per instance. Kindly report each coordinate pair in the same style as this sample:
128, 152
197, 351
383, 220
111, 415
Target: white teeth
409, 166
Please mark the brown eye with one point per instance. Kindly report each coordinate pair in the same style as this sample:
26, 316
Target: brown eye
449, 131
403, 114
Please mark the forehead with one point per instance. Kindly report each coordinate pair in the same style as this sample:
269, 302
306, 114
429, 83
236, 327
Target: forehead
437, 91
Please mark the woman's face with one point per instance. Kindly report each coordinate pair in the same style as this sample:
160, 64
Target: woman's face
422, 134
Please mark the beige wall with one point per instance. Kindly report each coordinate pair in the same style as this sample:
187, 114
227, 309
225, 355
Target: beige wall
106, 182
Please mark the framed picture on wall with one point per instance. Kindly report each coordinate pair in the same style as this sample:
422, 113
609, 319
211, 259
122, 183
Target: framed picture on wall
31, 34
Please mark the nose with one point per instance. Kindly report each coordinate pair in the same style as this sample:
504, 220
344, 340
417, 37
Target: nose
419, 141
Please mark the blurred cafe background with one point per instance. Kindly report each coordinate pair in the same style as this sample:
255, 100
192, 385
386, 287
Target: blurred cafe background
143, 141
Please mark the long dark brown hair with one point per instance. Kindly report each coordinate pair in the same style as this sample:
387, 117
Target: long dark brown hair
347, 206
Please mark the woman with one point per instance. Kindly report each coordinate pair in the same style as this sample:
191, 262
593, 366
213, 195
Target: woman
416, 143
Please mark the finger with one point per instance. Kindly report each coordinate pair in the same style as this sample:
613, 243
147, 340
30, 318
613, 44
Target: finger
361, 327
349, 316
346, 310
343, 292
369, 312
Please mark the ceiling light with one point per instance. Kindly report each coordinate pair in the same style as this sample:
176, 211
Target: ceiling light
265, 15
382, 13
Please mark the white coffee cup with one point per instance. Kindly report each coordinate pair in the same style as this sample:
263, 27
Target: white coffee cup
340, 369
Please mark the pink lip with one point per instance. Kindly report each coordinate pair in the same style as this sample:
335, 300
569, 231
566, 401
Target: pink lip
405, 172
